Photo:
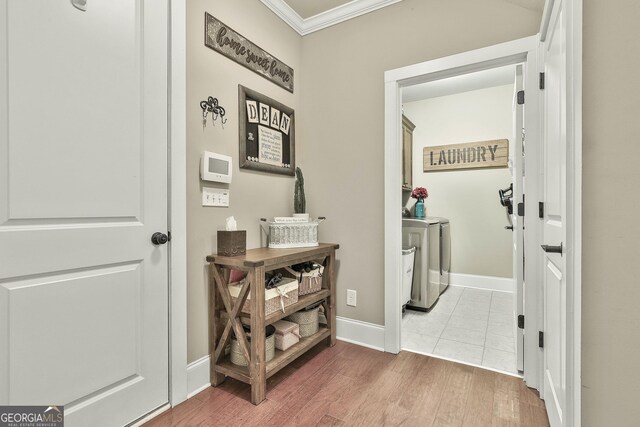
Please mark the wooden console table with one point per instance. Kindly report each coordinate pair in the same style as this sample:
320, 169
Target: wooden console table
256, 262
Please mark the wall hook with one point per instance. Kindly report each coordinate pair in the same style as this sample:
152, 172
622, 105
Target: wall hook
211, 106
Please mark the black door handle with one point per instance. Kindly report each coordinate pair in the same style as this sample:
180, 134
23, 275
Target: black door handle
159, 238
552, 249
508, 227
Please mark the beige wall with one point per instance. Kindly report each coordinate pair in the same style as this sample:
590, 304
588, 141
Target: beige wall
611, 202
340, 133
342, 99
253, 194
469, 198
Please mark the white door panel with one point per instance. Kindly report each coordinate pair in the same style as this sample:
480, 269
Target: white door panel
554, 221
83, 171
108, 352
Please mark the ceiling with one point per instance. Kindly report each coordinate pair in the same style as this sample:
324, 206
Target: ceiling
307, 16
464, 83
307, 9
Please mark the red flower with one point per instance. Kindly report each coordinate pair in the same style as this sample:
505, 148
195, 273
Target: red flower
419, 193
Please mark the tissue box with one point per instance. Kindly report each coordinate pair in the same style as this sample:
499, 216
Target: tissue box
232, 243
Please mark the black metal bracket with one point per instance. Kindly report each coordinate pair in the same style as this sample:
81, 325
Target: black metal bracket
521, 321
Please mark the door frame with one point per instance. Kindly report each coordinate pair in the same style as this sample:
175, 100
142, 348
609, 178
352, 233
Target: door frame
523, 51
177, 170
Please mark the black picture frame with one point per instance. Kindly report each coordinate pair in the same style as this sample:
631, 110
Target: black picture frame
249, 139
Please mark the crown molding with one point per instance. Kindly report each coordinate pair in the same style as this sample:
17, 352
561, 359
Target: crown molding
326, 19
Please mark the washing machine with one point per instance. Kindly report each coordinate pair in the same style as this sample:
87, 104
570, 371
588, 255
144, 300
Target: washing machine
424, 234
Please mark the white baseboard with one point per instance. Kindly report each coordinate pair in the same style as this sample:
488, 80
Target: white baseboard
362, 333
502, 284
349, 330
198, 376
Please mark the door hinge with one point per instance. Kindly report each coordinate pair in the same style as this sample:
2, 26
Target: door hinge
541, 81
169, 236
540, 210
521, 321
521, 207
540, 339
520, 97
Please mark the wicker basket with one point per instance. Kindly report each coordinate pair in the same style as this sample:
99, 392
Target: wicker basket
275, 299
284, 232
287, 334
308, 321
308, 283
237, 358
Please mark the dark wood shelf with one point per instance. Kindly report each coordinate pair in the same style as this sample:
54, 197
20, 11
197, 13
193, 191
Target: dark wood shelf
303, 301
256, 262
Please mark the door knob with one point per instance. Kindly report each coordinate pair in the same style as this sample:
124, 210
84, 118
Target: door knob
159, 238
552, 249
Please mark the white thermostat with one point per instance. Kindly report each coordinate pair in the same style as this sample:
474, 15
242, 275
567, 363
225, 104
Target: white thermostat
215, 167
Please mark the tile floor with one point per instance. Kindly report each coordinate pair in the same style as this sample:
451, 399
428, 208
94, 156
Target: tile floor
468, 325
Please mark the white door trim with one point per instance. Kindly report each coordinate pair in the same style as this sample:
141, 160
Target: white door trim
518, 51
177, 204
573, 10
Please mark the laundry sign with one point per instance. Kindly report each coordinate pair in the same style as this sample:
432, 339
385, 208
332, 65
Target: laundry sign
472, 155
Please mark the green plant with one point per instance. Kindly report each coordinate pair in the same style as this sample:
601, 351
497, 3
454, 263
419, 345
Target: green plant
299, 200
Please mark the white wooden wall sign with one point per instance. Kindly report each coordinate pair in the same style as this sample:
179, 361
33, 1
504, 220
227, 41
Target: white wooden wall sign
472, 155
236, 47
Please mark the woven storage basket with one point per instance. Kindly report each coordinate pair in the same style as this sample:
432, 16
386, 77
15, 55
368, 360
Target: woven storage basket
275, 299
287, 334
308, 321
237, 358
308, 283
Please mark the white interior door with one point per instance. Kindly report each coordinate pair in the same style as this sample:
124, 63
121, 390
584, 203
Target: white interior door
554, 222
516, 221
83, 184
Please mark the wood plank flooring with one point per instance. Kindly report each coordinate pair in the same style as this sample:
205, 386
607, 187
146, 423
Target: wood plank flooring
349, 385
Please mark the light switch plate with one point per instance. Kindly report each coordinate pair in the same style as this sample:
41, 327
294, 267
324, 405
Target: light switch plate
215, 197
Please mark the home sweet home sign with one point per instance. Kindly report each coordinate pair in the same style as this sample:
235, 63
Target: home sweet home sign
472, 155
236, 47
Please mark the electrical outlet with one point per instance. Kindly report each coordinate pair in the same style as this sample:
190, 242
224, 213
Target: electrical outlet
351, 297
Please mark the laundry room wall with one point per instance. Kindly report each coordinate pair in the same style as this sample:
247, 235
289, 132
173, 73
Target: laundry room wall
252, 194
480, 245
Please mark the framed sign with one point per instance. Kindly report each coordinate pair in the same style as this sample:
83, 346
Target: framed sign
223, 39
472, 155
267, 133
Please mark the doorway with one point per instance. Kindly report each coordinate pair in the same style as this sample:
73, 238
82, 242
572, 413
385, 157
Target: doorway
520, 51
471, 316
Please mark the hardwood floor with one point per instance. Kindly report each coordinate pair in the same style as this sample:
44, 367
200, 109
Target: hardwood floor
349, 385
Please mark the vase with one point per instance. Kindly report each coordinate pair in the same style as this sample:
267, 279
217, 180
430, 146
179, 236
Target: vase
420, 209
